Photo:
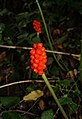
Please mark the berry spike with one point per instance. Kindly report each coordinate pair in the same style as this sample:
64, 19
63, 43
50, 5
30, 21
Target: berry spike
38, 58
37, 26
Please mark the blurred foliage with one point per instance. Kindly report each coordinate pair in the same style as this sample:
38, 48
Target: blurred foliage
47, 114
9, 101
12, 115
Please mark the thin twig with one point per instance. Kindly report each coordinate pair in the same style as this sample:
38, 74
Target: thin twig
20, 111
49, 51
15, 47
63, 53
25, 81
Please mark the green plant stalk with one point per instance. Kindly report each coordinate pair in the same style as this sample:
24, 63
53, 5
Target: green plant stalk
81, 64
54, 96
48, 34
38, 35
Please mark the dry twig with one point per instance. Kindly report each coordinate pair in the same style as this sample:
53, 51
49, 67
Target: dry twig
25, 81
49, 51
20, 111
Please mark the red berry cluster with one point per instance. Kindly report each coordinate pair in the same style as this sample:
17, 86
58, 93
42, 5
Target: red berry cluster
37, 26
38, 58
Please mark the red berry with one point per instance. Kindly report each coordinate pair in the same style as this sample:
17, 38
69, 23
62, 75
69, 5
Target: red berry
35, 70
44, 60
36, 56
37, 26
32, 51
40, 64
43, 54
35, 65
45, 57
31, 61
40, 58
32, 57
35, 45
38, 51
39, 68
35, 22
44, 66
40, 72
40, 45
43, 49
36, 61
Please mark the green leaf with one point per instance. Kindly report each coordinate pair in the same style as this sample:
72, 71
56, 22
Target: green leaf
31, 88
11, 115
73, 107
2, 27
21, 36
23, 15
3, 12
68, 101
65, 82
47, 114
65, 100
54, 70
9, 101
34, 75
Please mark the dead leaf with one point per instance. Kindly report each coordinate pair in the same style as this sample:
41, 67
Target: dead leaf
56, 32
72, 74
2, 78
60, 46
42, 105
2, 56
34, 95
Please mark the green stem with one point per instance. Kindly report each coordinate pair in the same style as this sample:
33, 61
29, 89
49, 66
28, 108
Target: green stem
38, 38
38, 35
81, 64
48, 34
54, 96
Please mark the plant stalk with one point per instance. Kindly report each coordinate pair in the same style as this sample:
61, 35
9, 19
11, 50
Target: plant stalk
54, 96
81, 64
48, 35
